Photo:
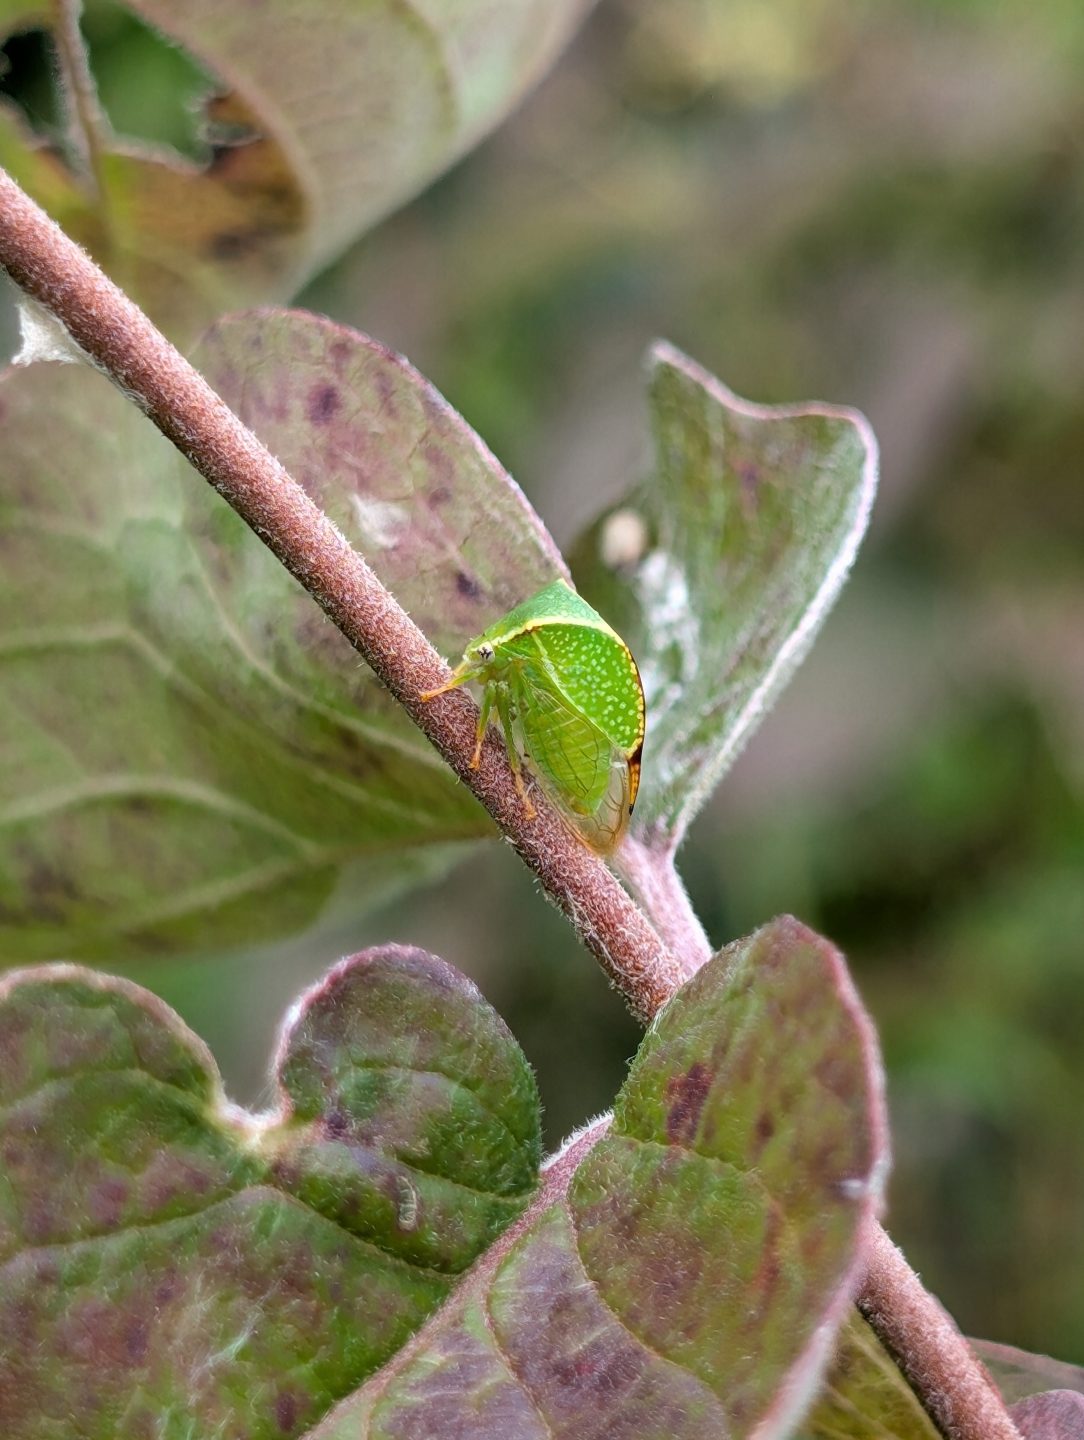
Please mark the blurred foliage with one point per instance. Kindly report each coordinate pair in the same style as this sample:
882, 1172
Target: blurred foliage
880, 203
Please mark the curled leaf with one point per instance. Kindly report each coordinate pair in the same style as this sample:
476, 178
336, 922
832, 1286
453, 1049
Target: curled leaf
720, 569
316, 124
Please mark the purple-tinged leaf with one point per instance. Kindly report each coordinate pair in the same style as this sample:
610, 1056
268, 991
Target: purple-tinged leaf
405, 478
719, 571
689, 1282
190, 754
1051, 1415
171, 1264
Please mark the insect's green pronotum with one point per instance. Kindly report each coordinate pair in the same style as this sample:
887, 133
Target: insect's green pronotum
567, 693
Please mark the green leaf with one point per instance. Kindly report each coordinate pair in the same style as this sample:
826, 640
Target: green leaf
170, 1264
690, 1280
864, 1396
190, 754
720, 569
329, 120
387, 458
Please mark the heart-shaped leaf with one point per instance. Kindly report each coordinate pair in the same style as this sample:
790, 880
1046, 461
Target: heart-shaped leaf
190, 753
720, 569
319, 122
171, 1265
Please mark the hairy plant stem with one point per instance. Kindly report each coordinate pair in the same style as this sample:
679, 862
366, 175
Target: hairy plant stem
954, 1388
119, 339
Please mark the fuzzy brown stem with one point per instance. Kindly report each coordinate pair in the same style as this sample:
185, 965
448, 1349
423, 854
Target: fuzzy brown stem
954, 1388
116, 335
121, 341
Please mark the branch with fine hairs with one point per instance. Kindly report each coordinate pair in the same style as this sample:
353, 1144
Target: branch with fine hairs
954, 1388
116, 335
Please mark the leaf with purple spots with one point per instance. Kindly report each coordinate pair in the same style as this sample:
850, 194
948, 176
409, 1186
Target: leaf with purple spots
688, 1283
192, 755
172, 1265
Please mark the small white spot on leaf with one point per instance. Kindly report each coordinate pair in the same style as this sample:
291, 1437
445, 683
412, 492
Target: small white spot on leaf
381, 521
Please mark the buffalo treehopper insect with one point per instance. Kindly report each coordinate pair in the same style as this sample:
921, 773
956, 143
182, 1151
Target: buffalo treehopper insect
567, 694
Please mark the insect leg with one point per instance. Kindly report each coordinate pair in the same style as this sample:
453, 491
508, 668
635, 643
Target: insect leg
488, 695
460, 675
503, 701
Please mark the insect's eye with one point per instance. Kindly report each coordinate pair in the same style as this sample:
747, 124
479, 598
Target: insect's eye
485, 652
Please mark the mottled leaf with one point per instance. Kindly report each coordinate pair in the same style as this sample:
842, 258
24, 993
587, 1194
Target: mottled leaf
1052, 1415
689, 1282
190, 753
320, 120
398, 470
720, 569
864, 1395
170, 1265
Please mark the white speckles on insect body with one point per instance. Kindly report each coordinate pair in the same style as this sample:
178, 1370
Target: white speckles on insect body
566, 691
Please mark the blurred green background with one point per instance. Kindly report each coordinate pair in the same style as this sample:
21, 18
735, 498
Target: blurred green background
875, 203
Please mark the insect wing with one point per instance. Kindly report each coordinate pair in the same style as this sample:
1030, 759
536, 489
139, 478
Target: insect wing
566, 749
603, 830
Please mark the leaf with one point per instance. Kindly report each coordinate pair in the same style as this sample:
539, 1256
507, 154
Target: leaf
184, 241
1020, 1373
190, 754
1053, 1415
865, 1396
719, 571
169, 1264
322, 121
386, 457
690, 1281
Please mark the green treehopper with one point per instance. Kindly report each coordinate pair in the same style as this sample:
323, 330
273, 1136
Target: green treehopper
568, 697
